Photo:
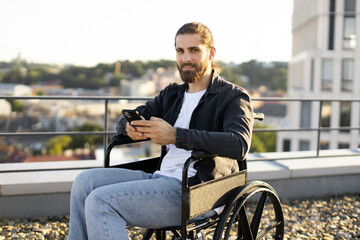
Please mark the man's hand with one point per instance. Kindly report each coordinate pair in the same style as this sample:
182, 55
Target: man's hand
157, 129
133, 133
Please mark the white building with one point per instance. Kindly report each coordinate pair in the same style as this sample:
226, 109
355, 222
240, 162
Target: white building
14, 89
5, 108
325, 64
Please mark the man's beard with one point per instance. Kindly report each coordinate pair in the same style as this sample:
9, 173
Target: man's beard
191, 76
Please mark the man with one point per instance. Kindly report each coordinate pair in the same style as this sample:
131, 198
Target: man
205, 112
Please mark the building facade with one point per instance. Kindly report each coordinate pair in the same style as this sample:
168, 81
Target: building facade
325, 64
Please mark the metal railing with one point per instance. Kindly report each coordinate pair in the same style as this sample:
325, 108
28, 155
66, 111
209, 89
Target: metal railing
106, 133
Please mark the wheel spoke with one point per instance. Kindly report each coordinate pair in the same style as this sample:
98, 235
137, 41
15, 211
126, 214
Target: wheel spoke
255, 223
244, 224
267, 230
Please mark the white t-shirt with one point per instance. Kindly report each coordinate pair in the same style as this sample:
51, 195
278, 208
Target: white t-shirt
175, 158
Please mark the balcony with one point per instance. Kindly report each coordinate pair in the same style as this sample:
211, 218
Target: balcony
34, 189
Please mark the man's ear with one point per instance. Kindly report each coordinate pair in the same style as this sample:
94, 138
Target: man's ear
212, 53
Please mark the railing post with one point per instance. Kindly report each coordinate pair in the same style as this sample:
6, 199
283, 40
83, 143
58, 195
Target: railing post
105, 141
319, 129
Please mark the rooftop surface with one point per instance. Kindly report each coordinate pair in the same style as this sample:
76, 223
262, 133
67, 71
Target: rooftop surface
334, 217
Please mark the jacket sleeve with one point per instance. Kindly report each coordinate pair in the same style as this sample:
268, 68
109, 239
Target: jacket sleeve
234, 141
149, 109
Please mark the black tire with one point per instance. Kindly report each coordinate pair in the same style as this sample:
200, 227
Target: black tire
237, 221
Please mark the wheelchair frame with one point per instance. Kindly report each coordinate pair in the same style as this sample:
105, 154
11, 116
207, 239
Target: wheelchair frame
232, 191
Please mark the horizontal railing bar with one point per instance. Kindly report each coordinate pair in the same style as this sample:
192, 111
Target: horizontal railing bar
289, 99
19, 134
304, 129
45, 169
281, 99
302, 157
76, 97
24, 134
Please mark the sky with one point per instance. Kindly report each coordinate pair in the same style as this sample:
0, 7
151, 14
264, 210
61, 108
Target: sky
88, 32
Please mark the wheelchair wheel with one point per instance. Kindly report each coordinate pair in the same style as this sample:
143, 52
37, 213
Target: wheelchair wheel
242, 218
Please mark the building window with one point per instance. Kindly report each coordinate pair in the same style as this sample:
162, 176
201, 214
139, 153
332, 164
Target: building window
345, 115
347, 75
326, 114
305, 116
327, 75
286, 145
324, 145
349, 34
304, 145
312, 74
350, 6
332, 24
343, 146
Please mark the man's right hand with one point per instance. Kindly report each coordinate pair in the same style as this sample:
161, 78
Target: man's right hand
133, 133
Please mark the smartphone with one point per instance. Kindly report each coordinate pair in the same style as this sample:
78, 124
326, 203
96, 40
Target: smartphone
131, 115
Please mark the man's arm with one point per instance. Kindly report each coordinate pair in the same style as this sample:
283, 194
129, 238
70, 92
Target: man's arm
234, 141
151, 108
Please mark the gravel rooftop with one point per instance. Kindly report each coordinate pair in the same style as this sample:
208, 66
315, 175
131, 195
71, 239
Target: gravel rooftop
323, 218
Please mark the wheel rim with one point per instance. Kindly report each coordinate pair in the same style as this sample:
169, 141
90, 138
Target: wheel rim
236, 212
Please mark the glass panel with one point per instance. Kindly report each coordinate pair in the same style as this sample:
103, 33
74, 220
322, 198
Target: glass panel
324, 145
344, 145
304, 145
347, 74
350, 6
286, 145
349, 33
345, 115
326, 114
327, 74
305, 114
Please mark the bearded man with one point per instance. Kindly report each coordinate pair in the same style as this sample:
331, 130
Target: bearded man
204, 113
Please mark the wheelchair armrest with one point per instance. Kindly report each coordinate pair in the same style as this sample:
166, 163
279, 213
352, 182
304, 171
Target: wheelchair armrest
120, 139
200, 154
196, 155
259, 116
117, 139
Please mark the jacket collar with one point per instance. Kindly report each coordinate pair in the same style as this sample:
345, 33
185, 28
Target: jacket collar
214, 85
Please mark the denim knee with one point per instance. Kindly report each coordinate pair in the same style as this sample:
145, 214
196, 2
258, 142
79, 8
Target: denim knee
82, 182
94, 202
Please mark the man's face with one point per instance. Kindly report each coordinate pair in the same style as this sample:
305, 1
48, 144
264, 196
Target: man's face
192, 57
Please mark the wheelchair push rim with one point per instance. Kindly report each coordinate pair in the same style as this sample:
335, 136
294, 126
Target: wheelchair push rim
250, 225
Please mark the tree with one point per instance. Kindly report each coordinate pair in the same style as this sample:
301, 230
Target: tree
79, 141
263, 141
57, 145
229, 74
16, 105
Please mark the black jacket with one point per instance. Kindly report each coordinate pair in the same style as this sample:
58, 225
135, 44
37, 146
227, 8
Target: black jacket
220, 124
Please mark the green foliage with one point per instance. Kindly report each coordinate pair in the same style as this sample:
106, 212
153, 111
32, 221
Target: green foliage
15, 76
263, 141
16, 105
79, 141
1, 76
273, 75
82, 77
231, 75
57, 145
40, 93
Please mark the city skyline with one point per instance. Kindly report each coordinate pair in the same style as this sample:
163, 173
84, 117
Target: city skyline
90, 32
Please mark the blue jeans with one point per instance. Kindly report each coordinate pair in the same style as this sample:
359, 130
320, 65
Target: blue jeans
105, 201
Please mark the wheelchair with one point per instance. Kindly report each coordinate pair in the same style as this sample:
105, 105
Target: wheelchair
233, 193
